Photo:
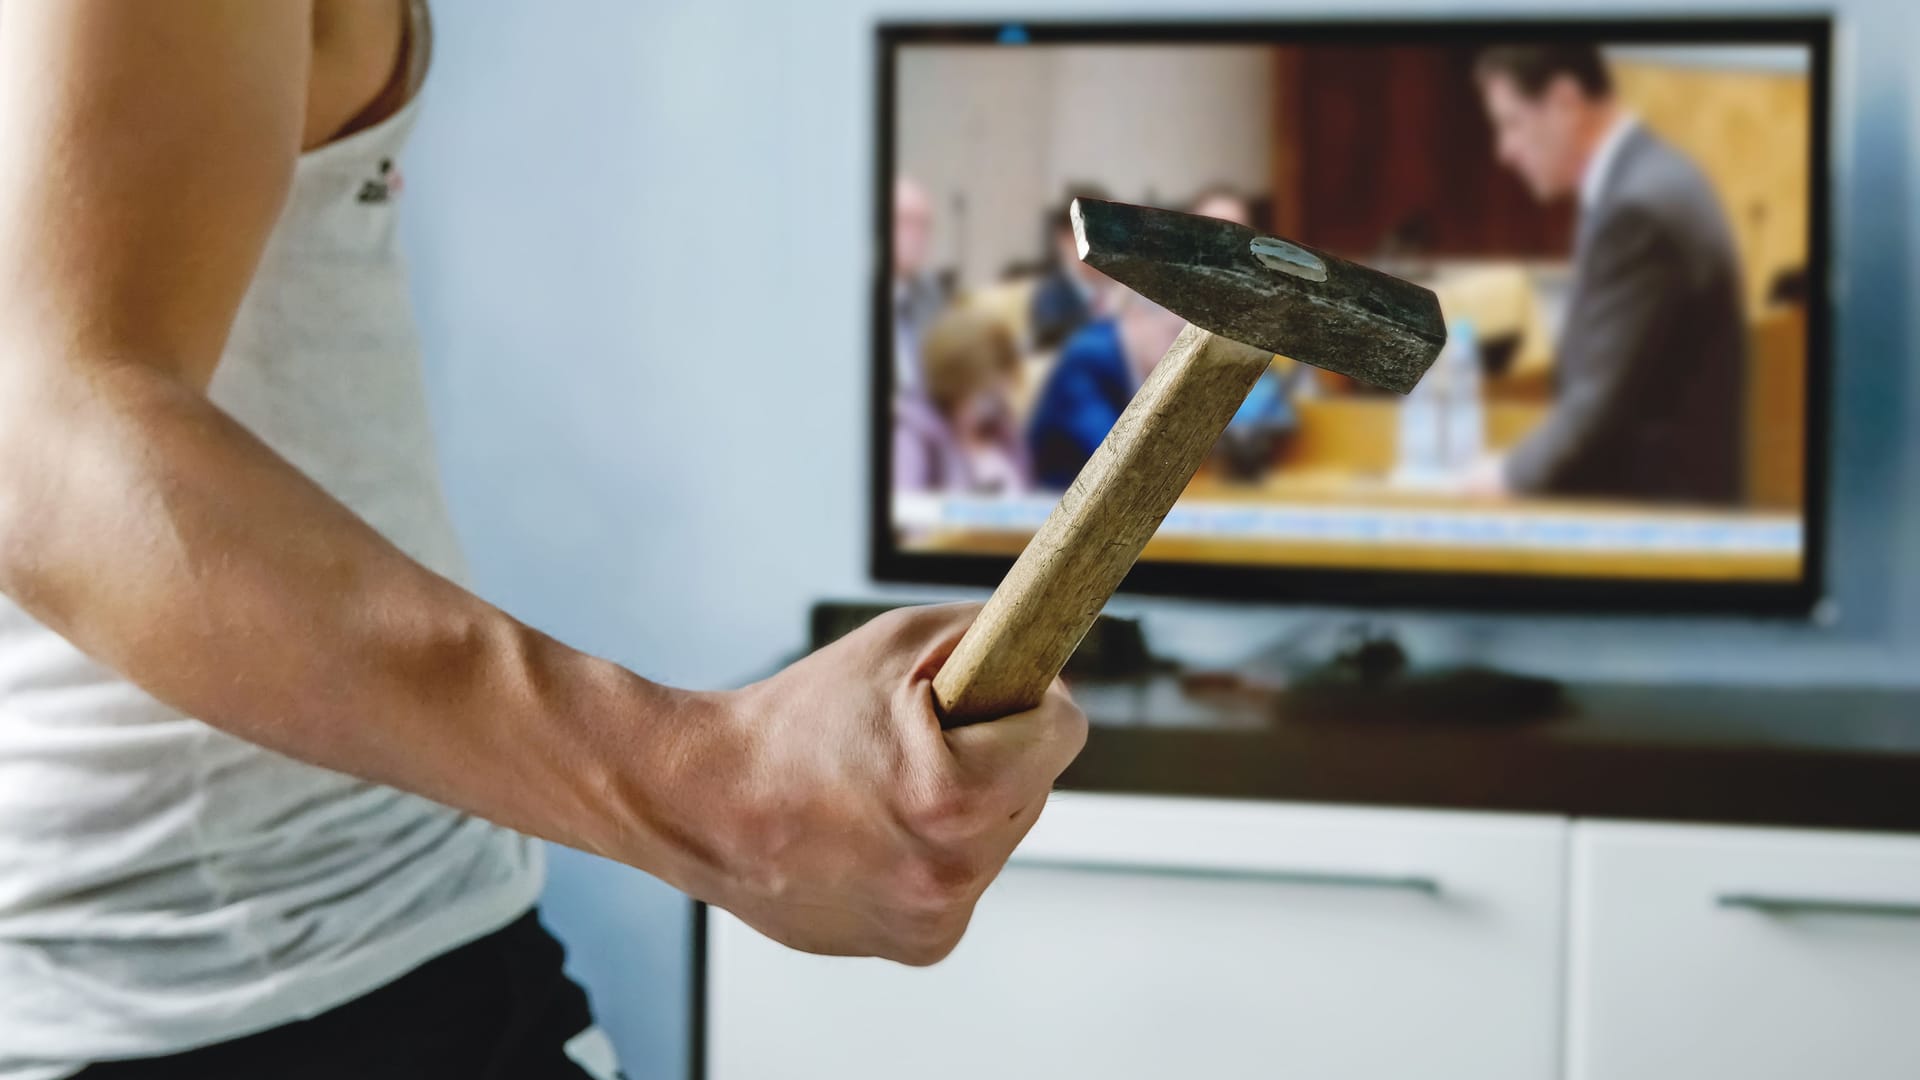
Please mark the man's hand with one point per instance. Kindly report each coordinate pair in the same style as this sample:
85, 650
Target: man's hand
859, 827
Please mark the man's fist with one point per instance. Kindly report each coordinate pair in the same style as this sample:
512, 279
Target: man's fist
852, 824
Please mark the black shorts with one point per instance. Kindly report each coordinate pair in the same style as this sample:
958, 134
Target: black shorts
494, 1009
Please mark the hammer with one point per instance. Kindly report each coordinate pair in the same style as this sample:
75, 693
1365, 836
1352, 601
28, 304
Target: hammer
1246, 297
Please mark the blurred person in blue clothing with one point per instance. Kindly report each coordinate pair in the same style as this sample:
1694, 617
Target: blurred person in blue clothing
1072, 294
1102, 365
1096, 376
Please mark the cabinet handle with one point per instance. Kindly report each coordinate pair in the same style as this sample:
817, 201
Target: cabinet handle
1814, 905
1414, 883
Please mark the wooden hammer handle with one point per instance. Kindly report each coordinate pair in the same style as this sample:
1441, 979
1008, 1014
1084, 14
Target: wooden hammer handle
1047, 602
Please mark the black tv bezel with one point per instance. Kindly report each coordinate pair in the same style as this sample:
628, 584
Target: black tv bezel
1478, 592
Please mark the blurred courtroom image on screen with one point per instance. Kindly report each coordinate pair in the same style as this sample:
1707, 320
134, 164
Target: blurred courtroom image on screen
1619, 235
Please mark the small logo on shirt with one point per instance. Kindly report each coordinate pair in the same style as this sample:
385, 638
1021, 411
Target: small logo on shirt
384, 188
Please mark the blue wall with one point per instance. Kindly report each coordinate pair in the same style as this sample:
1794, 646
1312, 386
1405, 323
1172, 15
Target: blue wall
638, 239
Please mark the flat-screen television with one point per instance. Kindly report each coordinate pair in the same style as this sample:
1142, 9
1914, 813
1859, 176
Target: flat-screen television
1625, 223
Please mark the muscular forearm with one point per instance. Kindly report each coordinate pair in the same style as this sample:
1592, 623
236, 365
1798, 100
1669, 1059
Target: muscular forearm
825, 805
161, 537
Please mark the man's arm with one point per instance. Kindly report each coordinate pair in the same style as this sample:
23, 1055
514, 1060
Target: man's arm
1611, 344
149, 148
145, 150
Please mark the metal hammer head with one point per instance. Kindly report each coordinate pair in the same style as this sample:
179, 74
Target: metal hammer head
1266, 292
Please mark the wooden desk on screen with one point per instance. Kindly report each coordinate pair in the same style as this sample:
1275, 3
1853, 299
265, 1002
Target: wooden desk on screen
1359, 435
1342, 457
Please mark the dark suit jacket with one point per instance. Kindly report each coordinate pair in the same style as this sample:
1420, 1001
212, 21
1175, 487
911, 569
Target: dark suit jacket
1652, 359
1059, 310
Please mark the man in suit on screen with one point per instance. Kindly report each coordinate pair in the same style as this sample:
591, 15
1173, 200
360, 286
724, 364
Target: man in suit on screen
1651, 358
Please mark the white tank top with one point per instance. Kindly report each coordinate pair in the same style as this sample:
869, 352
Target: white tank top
164, 885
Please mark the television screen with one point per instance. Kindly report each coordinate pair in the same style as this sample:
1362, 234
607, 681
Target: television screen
1623, 224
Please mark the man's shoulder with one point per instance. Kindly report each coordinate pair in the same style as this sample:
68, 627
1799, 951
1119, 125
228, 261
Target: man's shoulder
1656, 182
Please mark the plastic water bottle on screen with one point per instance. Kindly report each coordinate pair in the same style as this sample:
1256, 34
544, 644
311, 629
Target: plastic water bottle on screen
1466, 408
1421, 454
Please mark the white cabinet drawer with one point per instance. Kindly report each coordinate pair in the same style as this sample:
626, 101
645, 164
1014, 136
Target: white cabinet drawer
1154, 938
1750, 953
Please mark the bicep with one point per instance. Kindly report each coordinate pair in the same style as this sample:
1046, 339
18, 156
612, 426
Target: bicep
145, 152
